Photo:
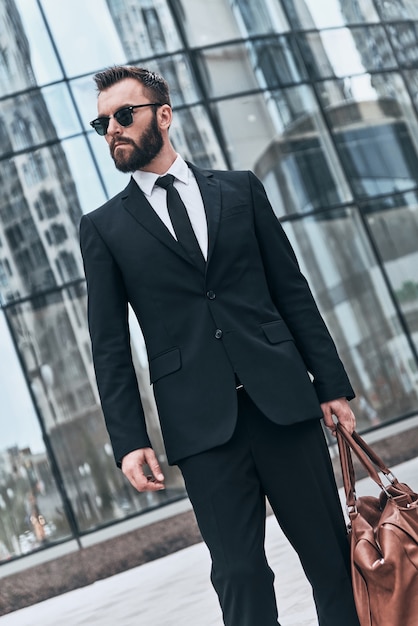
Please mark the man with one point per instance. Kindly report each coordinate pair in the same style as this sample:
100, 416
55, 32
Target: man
231, 332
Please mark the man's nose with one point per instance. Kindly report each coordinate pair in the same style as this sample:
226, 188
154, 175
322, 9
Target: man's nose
114, 128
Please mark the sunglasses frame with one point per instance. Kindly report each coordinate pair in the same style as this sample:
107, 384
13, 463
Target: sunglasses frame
99, 123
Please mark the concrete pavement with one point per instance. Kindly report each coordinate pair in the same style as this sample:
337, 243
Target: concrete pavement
175, 590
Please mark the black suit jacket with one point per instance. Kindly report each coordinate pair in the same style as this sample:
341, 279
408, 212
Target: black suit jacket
250, 313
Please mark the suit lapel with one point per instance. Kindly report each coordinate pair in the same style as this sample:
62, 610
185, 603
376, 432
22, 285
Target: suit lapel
137, 205
211, 195
135, 202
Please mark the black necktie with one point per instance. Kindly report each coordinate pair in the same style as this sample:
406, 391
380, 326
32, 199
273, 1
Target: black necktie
180, 220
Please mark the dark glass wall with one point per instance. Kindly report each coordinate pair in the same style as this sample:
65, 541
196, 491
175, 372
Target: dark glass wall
318, 98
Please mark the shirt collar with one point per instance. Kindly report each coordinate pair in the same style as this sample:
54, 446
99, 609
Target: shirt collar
146, 180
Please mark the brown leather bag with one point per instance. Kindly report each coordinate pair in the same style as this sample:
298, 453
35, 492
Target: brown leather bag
383, 534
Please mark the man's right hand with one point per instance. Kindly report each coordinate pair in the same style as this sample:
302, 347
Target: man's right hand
133, 468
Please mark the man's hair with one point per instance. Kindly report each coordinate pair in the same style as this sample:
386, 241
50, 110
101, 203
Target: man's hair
155, 85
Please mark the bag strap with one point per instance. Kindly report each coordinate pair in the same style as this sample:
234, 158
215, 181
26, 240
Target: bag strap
347, 468
367, 457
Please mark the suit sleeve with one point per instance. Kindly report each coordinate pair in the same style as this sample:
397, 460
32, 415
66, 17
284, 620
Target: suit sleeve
112, 357
294, 300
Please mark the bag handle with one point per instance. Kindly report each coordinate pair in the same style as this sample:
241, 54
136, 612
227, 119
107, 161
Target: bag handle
367, 457
347, 468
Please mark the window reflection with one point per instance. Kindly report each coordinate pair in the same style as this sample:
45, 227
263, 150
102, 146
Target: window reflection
31, 511
83, 181
26, 122
349, 288
52, 337
257, 17
347, 51
397, 9
376, 132
84, 92
299, 165
236, 73
28, 58
405, 42
378, 159
249, 113
78, 53
393, 222
279, 61
193, 136
411, 78
308, 14
144, 29
61, 110
210, 26
39, 215
179, 75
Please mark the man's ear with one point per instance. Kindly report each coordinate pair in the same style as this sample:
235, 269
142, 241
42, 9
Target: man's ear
164, 116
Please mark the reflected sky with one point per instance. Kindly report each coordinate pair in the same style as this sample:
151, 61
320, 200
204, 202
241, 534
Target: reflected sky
82, 53
89, 190
18, 421
43, 60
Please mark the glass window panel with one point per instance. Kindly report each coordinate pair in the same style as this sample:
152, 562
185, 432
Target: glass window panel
347, 283
344, 51
376, 132
247, 127
283, 138
411, 79
145, 28
83, 174
397, 9
94, 43
257, 17
61, 110
264, 63
113, 180
227, 69
179, 75
52, 337
205, 26
85, 95
393, 222
327, 13
39, 215
31, 510
25, 121
405, 42
31, 55
193, 137
277, 61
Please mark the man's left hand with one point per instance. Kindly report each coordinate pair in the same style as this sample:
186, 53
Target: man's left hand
342, 411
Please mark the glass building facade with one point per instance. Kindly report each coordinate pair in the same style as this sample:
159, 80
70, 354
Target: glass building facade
318, 97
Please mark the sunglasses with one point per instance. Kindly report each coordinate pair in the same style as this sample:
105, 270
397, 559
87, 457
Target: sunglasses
124, 117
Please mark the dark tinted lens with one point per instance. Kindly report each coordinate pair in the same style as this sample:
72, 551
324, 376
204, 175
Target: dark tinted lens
124, 117
100, 125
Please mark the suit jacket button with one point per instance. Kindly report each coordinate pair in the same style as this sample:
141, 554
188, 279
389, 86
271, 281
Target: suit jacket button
211, 295
218, 333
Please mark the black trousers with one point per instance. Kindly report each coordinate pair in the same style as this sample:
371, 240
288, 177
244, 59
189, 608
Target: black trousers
228, 486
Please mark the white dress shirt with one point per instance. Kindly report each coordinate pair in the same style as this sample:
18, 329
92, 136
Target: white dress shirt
186, 185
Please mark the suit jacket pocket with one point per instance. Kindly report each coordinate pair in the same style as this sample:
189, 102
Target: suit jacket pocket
164, 363
231, 211
276, 332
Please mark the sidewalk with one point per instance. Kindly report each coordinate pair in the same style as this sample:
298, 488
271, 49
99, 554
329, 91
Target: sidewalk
175, 590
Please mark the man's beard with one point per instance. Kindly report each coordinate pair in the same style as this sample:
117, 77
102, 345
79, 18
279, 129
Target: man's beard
139, 157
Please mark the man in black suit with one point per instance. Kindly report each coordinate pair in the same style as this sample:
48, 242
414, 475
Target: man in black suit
232, 333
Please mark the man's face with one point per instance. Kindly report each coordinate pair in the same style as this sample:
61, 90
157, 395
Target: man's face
135, 146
